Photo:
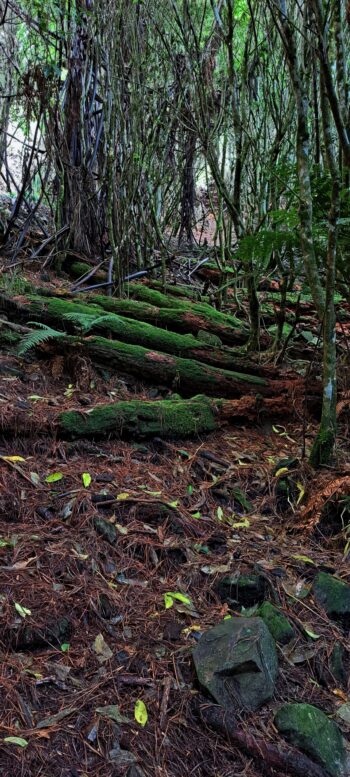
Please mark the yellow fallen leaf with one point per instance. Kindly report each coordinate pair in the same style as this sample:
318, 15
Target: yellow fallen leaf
12, 458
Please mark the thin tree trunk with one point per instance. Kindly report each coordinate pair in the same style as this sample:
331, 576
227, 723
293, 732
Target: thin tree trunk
324, 443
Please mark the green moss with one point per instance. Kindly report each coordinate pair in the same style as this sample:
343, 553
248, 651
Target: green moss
322, 448
184, 319
188, 375
308, 728
77, 269
137, 418
277, 623
156, 298
332, 594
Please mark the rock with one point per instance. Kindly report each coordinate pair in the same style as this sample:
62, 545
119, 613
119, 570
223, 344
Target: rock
277, 624
337, 663
308, 728
105, 529
236, 662
333, 595
245, 590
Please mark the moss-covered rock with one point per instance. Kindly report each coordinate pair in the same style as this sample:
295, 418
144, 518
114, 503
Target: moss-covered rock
308, 728
277, 623
236, 662
333, 595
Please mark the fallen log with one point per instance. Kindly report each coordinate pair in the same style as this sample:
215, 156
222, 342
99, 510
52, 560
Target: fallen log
271, 757
151, 296
188, 319
170, 418
184, 319
184, 375
55, 312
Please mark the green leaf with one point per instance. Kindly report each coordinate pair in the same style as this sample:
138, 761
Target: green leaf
171, 596
301, 490
122, 496
54, 478
22, 611
300, 557
65, 647
141, 714
310, 633
220, 513
86, 478
16, 741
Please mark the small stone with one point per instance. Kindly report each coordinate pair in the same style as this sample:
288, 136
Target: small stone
308, 728
236, 662
337, 663
333, 595
277, 623
245, 590
105, 529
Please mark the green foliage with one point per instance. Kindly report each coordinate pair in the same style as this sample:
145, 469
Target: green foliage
38, 337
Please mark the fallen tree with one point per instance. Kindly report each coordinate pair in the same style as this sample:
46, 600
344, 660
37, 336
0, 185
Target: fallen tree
82, 316
189, 318
166, 418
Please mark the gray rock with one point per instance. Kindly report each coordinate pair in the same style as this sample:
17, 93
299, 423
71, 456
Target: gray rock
236, 662
337, 663
333, 595
308, 728
243, 589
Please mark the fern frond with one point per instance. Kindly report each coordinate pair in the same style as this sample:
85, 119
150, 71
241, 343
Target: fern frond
37, 337
88, 322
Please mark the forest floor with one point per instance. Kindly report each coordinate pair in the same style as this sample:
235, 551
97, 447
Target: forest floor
95, 533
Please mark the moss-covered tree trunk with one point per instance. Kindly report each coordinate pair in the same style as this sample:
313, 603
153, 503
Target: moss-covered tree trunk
164, 418
74, 316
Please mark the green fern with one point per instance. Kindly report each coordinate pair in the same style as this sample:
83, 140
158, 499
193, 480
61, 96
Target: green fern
88, 322
37, 337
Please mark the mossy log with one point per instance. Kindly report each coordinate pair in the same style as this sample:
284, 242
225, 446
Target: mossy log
187, 376
182, 319
153, 297
172, 418
189, 318
53, 311
77, 269
187, 292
